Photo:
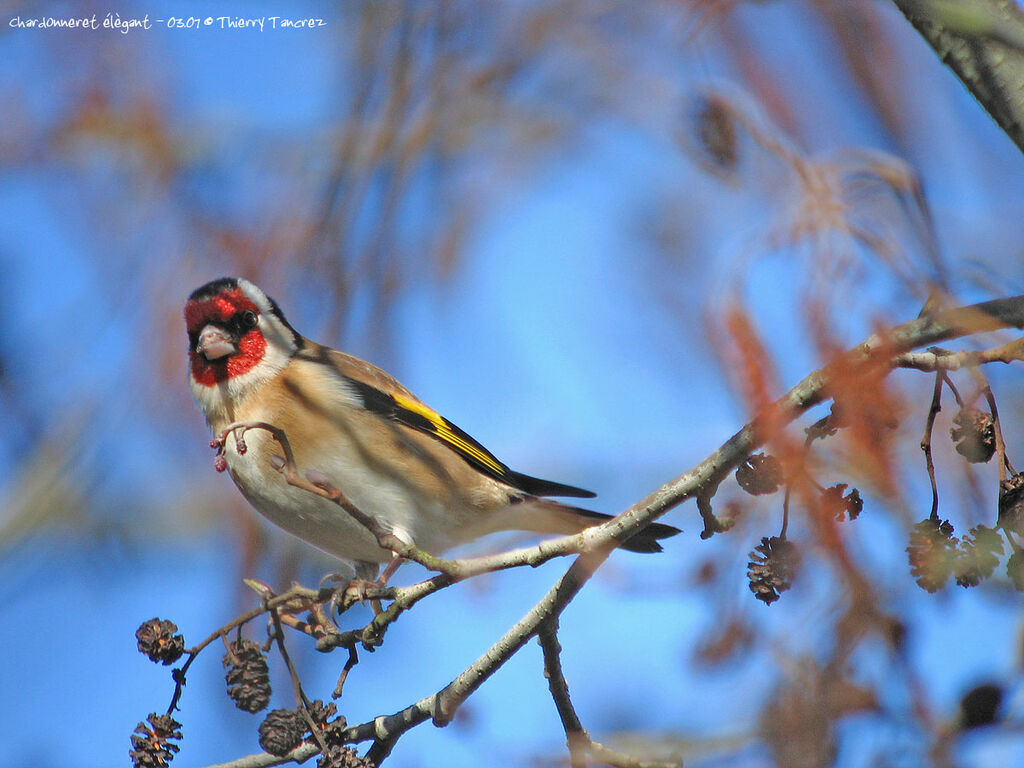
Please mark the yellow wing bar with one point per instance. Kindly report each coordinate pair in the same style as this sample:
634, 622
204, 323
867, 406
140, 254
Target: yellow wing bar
452, 435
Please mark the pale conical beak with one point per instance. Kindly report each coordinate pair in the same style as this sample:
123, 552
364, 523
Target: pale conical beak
215, 343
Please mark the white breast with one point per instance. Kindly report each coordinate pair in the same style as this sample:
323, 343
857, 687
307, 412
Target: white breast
323, 523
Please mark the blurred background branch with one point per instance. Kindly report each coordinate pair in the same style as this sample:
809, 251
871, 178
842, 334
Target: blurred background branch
982, 41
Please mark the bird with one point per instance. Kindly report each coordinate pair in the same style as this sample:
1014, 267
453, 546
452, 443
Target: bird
394, 458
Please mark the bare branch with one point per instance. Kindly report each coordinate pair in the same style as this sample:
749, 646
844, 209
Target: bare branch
926, 441
941, 360
577, 738
263, 760
441, 706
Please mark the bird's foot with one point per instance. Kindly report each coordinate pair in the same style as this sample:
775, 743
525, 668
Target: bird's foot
351, 590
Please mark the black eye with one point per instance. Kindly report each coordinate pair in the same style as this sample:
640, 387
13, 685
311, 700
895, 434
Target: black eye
249, 319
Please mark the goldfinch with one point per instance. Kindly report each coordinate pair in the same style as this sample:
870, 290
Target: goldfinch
395, 459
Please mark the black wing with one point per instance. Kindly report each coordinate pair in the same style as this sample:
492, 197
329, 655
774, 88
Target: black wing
414, 414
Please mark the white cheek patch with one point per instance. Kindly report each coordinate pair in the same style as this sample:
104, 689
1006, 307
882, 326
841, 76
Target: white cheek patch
275, 357
277, 336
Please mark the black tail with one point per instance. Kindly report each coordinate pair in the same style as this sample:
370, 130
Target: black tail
532, 513
644, 540
537, 487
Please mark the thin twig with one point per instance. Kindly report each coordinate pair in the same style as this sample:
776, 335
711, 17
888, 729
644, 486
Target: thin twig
938, 360
295, 593
179, 673
300, 697
576, 736
577, 739
1004, 460
442, 705
300, 754
819, 430
785, 510
353, 659
952, 388
926, 441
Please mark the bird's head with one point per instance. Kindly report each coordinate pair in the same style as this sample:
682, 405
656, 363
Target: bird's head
237, 339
